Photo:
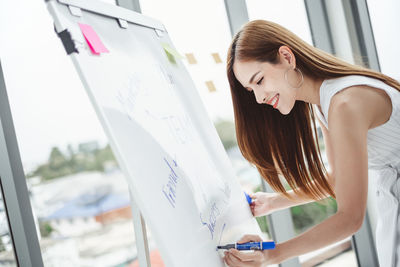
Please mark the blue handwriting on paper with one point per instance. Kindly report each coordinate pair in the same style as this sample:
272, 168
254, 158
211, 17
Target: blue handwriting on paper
169, 189
179, 127
212, 220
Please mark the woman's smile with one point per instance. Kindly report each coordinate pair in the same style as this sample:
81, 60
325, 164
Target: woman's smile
274, 101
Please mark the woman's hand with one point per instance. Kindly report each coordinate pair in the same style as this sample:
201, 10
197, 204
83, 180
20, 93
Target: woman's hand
236, 258
263, 203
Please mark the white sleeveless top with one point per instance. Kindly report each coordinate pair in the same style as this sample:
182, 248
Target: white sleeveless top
384, 157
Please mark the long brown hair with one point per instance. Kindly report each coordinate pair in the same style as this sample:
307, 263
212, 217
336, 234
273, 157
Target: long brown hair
284, 145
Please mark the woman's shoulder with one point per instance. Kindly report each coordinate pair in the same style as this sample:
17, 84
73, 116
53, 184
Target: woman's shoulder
368, 100
331, 87
362, 93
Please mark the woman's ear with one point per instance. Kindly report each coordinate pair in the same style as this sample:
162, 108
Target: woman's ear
286, 56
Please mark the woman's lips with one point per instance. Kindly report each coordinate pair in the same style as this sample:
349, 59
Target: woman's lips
274, 101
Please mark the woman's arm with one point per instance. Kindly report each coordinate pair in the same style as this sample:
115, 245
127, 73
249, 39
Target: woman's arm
348, 123
348, 126
266, 203
280, 201
270, 202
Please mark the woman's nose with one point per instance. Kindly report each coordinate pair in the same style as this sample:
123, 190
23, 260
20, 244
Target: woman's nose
261, 98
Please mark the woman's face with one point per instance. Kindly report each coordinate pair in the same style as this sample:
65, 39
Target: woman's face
267, 81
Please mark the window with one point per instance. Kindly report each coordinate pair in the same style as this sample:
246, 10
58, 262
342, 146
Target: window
51, 110
384, 18
7, 256
204, 41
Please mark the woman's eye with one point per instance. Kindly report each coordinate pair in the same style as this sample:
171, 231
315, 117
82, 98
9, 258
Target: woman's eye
259, 82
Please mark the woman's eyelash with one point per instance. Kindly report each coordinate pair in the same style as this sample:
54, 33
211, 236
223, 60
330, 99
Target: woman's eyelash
259, 82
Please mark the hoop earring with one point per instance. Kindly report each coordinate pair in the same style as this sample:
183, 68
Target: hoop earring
301, 81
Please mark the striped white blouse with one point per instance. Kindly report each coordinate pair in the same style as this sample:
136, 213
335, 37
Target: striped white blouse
384, 157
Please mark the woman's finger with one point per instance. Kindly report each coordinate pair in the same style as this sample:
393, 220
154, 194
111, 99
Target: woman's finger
245, 257
250, 238
232, 260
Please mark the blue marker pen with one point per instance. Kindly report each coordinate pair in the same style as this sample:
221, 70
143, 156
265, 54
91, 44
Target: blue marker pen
250, 246
249, 199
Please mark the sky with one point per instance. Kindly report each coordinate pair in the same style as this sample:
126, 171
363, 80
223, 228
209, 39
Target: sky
49, 104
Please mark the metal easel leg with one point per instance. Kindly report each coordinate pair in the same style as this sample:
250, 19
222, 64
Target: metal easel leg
140, 235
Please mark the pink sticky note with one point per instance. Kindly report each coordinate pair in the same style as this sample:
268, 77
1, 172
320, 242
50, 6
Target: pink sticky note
93, 39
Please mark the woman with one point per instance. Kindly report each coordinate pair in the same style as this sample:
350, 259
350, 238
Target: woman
277, 81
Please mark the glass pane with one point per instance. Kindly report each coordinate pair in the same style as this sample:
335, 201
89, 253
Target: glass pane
7, 255
384, 18
85, 218
203, 42
291, 14
78, 194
